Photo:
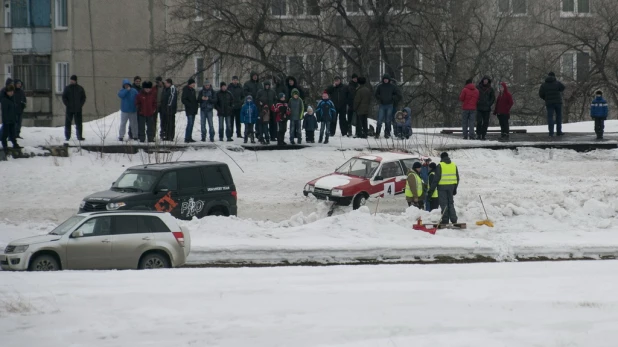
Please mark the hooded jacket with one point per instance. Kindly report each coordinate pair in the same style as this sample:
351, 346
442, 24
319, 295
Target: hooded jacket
438, 177
189, 99
387, 93
127, 97
340, 96
504, 101
169, 100
20, 97
74, 98
267, 96
362, 100
406, 121
146, 103
207, 105
551, 91
487, 95
238, 94
8, 106
599, 108
310, 122
249, 112
292, 87
297, 106
325, 111
8, 82
469, 97
252, 87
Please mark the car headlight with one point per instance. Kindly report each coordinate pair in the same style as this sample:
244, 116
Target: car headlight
309, 188
336, 192
115, 205
20, 249
82, 204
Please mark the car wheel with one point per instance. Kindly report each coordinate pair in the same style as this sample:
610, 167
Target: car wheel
359, 200
44, 263
154, 261
215, 212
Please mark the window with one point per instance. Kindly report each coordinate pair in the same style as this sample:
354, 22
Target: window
216, 71
30, 13
575, 66
575, 7
199, 70
214, 176
100, 226
390, 170
190, 178
147, 224
34, 70
125, 225
410, 162
169, 182
7, 16
61, 18
278, 8
295, 7
515, 7
62, 76
353, 6
8, 71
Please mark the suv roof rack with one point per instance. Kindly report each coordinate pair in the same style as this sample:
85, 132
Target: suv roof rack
122, 211
176, 164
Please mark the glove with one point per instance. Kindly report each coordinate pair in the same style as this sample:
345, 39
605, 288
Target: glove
455, 192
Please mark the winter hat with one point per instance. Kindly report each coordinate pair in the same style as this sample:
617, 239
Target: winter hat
354, 76
190, 81
10, 88
325, 92
552, 74
249, 98
8, 82
222, 84
598, 92
295, 92
309, 108
433, 166
74, 78
206, 82
147, 85
443, 155
416, 165
159, 79
386, 77
337, 78
234, 78
266, 83
281, 95
362, 80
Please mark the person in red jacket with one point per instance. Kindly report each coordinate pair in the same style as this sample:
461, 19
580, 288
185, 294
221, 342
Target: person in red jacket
146, 102
503, 109
468, 97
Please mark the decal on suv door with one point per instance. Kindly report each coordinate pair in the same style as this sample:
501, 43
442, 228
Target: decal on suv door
191, 208
166, 203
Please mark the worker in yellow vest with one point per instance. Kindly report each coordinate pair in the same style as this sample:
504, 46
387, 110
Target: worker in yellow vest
445, 182
414, 187
432, 200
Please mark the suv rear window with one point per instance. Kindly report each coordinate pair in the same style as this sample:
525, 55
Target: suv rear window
148, 224
216, 176
189, 178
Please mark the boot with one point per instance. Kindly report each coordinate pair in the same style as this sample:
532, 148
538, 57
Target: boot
320, 140
326, 141
252, 138
300, 141
292, 142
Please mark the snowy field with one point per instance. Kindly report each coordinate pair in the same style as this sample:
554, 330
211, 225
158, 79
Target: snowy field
553, 203
499, 305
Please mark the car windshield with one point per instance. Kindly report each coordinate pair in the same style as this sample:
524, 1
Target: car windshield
359, 167
67, 225
135, 180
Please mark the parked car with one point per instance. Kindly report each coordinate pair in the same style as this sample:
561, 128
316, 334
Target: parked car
101, 241
364, 177
184, 189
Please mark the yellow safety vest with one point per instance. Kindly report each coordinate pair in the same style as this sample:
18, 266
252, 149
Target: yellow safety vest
449, 174
419, 186
435, 192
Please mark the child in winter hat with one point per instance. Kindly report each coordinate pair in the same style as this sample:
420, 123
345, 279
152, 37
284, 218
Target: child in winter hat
310, 125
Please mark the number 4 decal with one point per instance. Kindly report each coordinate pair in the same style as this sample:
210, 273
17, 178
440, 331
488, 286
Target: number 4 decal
389, 189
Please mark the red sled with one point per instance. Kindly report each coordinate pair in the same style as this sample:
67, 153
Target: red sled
420, 226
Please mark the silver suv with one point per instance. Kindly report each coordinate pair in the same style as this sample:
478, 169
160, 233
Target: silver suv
103, 240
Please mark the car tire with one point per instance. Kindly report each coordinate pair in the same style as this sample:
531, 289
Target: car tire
359, 200
215, 212
44, 262
154, 261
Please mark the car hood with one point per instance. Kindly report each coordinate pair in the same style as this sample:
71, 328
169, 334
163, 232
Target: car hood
35, 239
336, 180
111, 195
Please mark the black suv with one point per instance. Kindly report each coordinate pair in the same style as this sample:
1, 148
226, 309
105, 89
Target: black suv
184, 189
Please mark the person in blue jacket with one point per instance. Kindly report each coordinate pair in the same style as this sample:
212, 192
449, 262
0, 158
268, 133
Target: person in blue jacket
128, 110
599, 111
326, 113
249, 116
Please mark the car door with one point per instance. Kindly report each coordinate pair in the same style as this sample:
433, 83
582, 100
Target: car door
129, 241
93, 249
217, 189
191, 192
388, 180
166, 193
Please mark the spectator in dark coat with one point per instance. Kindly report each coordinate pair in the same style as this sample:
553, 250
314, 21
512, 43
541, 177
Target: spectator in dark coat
487, 97
280, 84
208, 100
20, 100
146, 104
503, 109
362, 106
340, 96
137, 83
599, 110
169, 107
74, 98
291, 85
238, 92
469, 97
387, 95
253, 85
551, 91
8, 106
225, 105
267, 97
352, 121
189, 99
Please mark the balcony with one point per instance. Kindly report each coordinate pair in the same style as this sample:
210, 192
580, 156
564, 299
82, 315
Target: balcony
31, 41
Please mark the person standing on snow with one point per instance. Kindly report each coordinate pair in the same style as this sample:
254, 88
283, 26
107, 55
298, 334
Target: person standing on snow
169, 106
469, 97
238, 94
8, 106
362, 106
487, 97
352, 119
432, 200
551, 91
325, 113
73, 98
282, 113
225, 105
599, 110
189, 100
387, 95
446, 182
503, 109
297, 111
310, 125
128, 111
146, 105
207, 101
340, 96
249, 116
414, 187
253, 86
20, 100
266, 97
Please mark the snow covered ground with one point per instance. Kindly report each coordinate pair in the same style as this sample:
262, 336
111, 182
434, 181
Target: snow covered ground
504, 304
554, 203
